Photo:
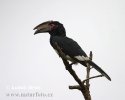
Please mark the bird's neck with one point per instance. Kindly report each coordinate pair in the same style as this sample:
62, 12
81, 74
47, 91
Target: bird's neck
53, 37
54, 33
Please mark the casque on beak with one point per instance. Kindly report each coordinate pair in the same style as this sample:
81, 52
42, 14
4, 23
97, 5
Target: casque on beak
41, 28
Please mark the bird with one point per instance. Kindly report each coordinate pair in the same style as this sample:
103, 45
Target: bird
70, 48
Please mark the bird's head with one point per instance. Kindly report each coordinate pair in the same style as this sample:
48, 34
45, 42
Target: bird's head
54, 28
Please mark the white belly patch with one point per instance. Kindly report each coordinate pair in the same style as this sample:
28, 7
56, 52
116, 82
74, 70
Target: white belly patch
82, 58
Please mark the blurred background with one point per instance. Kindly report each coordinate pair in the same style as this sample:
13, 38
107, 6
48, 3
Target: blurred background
28, 64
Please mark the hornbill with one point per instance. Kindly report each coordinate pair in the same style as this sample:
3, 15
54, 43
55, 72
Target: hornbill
72, 51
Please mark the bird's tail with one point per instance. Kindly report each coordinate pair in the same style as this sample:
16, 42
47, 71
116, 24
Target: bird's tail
99, 69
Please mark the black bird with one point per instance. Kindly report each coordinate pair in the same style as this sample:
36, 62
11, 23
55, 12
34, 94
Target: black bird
73, 52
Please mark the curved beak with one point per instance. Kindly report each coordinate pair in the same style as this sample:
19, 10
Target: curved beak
42, 28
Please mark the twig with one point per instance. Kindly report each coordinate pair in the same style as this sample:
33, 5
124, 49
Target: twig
88, 69
92, 78
75, 87
78, 87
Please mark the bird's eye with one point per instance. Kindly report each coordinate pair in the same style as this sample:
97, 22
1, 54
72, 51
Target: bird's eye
53, 26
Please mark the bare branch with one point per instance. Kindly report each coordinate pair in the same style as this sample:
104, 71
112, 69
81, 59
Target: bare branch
75, 87
92, 78
78, 87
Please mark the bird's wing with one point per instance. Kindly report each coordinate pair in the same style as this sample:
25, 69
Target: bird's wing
68, 46
71, 48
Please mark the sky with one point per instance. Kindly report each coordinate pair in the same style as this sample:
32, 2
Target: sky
28, 64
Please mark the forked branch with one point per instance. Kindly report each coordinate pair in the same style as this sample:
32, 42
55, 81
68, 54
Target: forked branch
83, 85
